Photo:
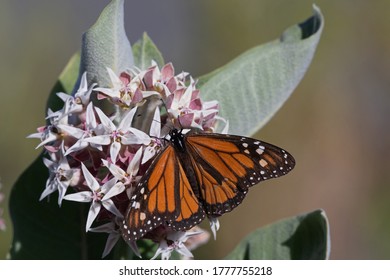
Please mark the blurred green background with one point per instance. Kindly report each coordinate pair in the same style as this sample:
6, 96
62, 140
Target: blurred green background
336, 123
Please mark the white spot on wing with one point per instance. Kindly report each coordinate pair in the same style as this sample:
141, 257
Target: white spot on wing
263, 163
259, 151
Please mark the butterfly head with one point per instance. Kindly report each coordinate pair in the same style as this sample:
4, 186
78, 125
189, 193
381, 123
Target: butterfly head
176, 137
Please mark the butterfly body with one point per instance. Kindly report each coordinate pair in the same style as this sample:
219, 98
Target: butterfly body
200, 174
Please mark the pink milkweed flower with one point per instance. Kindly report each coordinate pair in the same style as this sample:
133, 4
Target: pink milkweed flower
175, 241
114, 235
77, 102
125, 90
90, 127
115, 136
98, 196
128, 177
61, 176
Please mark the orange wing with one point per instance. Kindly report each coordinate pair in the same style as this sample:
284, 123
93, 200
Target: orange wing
198, 174
191, 212
163, 196
226, 166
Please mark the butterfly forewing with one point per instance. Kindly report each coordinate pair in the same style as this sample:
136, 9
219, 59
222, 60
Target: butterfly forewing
156, 199
163, 196
227, 165
191, 211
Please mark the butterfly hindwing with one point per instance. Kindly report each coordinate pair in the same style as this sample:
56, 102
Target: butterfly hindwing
227, 165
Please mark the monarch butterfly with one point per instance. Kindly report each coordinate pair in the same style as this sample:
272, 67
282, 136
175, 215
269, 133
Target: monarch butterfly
198, 174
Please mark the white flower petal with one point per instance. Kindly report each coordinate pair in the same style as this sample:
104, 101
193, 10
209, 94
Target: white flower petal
225, 130
107, 123
164, 250
115, 80
79, 145
185, 100
115, 170
155, 127
148, 154
35, 135
112, 239
91, 181
114, 150
48, 162
100, 140
63, 96
63, 166
184, 251
105, 228
90, 117
110, 188
206, 113
50, 188
147, 93
110, 92
214, 225
50, 138
133, 167
83, 92
85, 196
92, 214
133, 246
83, 83
140, 137
110, 206
62, 187
125, 123
115, 190
72, 131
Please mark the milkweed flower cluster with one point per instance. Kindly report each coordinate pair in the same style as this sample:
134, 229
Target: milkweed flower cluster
2, 222
97, 156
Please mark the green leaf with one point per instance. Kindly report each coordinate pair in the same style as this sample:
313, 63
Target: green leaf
145, 51
304, 237
105, 44
253, 87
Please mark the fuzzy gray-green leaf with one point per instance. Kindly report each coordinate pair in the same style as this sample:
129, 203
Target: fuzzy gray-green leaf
253, 87
145, 51
304, 237
105, 44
